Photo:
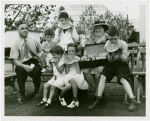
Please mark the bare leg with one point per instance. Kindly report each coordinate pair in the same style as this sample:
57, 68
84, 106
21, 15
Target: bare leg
51, 95
127, 87
46, 85
74, 90
90, 80
65, 89
97, 79
101, 85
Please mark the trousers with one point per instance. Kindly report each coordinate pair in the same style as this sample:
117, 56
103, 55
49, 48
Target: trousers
22, 77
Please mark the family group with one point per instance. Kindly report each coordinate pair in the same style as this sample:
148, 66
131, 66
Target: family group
61, 53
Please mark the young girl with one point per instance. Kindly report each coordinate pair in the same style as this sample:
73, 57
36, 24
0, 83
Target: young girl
74, 77
66, 32
58, 79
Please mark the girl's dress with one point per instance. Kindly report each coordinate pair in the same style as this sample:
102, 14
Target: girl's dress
99, 69
78, 78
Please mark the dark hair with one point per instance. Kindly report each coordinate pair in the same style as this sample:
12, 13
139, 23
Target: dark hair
72, 45
18, 23
112, 31
63, 15
49, 32
57, 49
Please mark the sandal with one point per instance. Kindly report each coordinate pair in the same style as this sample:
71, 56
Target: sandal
41, 103
46, 106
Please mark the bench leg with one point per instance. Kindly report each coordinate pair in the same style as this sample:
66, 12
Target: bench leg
138, 90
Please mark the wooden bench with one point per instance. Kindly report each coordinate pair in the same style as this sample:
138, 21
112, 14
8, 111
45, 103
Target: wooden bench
133, 49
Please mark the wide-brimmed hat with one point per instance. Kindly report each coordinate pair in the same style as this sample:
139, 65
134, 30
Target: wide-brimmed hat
130, 25
96, 23
112, 47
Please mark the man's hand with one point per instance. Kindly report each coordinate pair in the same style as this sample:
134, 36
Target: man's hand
27, 68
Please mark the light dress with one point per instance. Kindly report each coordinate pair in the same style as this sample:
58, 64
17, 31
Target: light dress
78, 78
95, 70
58, 79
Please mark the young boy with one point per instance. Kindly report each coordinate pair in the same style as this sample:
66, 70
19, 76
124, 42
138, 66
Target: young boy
57, 80
65, 33
117, 57
46, 46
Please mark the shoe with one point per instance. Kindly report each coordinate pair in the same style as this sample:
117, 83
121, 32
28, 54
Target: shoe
73, 104
30, 96
41, 103
62, 101
43, 70
46, 105
133, 105
22, 100
99, 100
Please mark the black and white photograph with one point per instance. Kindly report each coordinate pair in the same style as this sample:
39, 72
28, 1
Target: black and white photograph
68, 59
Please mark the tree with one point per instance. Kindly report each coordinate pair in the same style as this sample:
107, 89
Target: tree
86, 19
30, 13
89, 16
116, 20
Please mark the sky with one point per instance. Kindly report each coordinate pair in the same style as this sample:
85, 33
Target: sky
130, 7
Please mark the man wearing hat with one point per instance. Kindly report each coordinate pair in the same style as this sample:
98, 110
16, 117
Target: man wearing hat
117, 57
132, 34
23, 54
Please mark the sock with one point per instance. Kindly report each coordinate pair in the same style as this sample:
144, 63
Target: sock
75, 99
49, 101
44, 99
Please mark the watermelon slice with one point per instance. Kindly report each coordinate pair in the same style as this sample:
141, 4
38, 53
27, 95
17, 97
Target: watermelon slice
65, 26
70, 59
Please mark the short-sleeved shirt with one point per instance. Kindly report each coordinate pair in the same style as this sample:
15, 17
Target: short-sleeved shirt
55, 71
18, 48
65, 38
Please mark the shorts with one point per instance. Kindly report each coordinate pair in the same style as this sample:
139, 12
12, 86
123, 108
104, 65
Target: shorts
116, 68
59, 82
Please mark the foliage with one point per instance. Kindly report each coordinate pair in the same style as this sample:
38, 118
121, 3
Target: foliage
89, 16
27, 12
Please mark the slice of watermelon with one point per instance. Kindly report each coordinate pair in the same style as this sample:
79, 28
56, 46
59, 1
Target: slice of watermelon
70, 59
66, 26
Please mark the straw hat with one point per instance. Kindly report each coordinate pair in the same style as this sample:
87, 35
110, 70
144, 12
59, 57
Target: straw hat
102, 23
112, 47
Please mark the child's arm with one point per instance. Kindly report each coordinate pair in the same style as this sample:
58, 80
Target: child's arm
57, 35
67, 69
59, 69
124, 55
74, 34
77, 67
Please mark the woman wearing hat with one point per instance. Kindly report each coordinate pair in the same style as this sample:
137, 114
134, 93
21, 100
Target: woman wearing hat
93, 74
117, 57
